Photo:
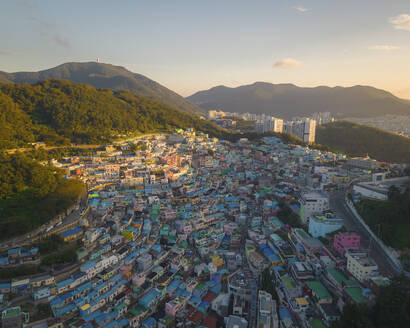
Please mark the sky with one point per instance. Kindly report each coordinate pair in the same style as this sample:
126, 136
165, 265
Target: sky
192, 45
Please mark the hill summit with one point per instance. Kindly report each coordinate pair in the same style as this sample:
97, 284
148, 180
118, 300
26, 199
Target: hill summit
108, 76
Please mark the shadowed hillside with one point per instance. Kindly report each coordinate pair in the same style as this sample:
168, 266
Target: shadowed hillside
360, 140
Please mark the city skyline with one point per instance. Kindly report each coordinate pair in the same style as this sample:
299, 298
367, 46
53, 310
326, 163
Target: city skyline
190, 46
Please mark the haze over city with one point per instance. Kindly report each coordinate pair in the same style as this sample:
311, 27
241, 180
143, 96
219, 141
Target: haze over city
194, 45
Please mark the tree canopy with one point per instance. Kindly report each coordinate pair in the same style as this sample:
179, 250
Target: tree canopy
390, 219
63, 112
360, 140
392, 309
32, 193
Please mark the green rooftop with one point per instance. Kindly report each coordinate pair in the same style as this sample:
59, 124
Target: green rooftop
337, 275
288, 282
11, 312
318, 289
381, 282
317, 323
138, 310
356, 293
302, 233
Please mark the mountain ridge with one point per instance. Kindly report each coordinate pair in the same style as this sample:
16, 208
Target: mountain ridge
287, 100
60, 112
101, 75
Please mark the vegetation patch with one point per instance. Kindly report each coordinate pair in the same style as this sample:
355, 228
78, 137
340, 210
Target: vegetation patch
361, 140
392, 308
390, 220
32, 193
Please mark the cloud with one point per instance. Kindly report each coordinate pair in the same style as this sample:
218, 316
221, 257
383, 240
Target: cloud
25, 4
301, 9
6, 52
41, 23
383, 47
61, 42
287, 63
401, 22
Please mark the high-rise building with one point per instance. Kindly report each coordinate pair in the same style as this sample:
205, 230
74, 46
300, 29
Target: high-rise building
303, 128
309, 132
269, 124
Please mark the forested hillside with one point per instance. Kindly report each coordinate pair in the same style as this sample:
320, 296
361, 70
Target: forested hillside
360, 140
31, 194
101, 75
63, 112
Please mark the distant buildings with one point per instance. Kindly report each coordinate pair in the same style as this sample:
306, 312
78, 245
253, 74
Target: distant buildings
303, 128
269, 123
215, 114
323, 117
363, 163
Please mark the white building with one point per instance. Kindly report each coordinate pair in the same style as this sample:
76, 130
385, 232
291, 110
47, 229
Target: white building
213, 114
267, 312
270, 124
370, 190
304, 128
144, 262
360, 265
312, 203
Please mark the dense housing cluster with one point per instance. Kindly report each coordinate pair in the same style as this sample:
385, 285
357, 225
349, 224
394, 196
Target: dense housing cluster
179, 229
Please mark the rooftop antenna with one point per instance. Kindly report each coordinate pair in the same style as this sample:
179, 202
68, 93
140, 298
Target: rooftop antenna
98, 59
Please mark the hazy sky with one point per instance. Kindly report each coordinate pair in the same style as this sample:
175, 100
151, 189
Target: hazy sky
189, 45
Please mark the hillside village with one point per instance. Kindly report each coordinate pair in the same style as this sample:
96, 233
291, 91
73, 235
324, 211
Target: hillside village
179, 231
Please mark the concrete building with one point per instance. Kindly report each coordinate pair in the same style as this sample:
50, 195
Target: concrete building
13, 317
239, 285
214, 114
303, 128
267, 312
235, 322
370, 190
302, 271
144, 262
320, 225
360, 265
365, 163
313, 202
345, 240
269, 124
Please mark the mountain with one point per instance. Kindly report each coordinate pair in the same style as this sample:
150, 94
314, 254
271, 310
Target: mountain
288, 100
64, 112
361, 140
105, 76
